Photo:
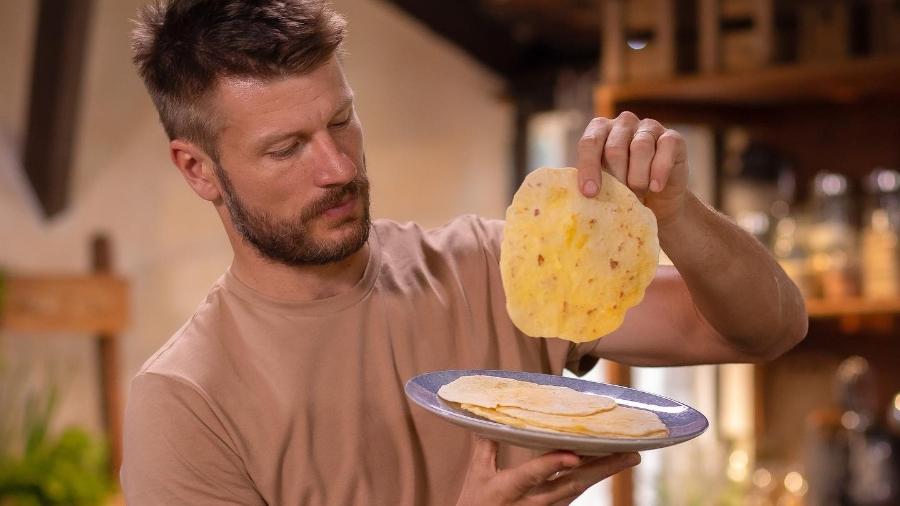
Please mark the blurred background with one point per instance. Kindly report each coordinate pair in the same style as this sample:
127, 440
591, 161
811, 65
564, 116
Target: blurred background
791, 111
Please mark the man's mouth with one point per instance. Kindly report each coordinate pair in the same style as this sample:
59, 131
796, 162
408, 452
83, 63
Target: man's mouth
343, 208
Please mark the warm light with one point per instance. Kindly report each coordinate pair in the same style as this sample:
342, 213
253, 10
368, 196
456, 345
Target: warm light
737, 465
738, 458
882, 450
897, 402
794, 483
887, 181
780, 209
755, 223
834, 184
736, 473
762, 478
881, 222
850, 420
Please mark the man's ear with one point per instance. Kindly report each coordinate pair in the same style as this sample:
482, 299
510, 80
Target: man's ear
197, 169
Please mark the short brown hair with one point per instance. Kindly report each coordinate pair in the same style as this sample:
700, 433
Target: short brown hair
183, 47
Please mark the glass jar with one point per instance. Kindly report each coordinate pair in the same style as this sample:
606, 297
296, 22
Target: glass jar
790, 253
880, 268
832, 237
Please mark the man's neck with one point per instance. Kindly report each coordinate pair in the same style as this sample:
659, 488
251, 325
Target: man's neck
298, 283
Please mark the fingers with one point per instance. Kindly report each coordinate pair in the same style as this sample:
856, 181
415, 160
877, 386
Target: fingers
670, 152
520, 480
590, 150
484, 457
581, 478
641, 153
618, 145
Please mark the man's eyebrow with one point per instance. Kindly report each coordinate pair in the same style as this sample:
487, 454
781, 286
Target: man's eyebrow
267, 140
347, 102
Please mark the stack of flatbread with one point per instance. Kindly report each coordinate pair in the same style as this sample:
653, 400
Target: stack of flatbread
550, 408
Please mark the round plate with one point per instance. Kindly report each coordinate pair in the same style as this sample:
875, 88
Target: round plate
684, 422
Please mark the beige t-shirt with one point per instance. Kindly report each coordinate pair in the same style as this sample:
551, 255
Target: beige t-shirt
262, 401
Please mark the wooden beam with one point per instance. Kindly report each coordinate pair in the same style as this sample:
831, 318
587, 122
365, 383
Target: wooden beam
465, 24
57, 71
108, 353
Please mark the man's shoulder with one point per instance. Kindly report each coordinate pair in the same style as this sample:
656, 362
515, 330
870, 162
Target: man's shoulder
190, 355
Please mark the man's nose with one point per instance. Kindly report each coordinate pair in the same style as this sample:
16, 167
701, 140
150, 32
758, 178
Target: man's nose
333, 167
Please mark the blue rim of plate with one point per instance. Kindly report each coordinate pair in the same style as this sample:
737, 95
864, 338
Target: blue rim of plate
683, 422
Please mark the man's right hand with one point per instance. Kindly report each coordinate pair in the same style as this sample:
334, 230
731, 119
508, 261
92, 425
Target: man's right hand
530, 483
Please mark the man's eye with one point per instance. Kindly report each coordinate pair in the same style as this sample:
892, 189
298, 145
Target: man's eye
281, 154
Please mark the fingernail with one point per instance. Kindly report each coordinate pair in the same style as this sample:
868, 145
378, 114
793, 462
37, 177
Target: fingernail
633, 459
590, 187
655, 186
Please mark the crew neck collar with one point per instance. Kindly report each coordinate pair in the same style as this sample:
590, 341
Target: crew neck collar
332, 304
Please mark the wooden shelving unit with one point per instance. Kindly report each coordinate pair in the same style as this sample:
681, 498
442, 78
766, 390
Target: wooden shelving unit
815, 113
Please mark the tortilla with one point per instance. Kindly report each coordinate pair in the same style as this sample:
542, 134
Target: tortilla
492, 391
621, 422
496, 416
572, 265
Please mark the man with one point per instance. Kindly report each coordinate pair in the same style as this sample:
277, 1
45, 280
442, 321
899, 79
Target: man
286, 386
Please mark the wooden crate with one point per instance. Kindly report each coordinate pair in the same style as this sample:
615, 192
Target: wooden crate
823, 31
885, 27
735, 50
653, 19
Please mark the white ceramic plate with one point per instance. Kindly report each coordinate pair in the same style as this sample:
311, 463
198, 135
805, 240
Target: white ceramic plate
684, 422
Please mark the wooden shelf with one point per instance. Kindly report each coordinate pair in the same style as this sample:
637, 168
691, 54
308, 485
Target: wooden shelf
834, 82
854, 306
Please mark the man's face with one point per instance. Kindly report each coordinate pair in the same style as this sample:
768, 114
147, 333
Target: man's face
292, 167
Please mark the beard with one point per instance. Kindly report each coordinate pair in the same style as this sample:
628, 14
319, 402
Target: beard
291, 241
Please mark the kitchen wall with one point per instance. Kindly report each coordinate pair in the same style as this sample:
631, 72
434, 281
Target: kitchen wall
438, 136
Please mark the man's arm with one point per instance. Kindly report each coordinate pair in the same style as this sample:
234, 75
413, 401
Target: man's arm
177, 451
728, 300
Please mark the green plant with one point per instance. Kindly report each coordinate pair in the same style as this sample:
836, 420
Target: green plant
65, 469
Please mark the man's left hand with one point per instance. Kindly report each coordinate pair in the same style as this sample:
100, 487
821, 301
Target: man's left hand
641, 153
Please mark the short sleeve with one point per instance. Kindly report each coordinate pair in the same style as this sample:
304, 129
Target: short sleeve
490, 234
176, 450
